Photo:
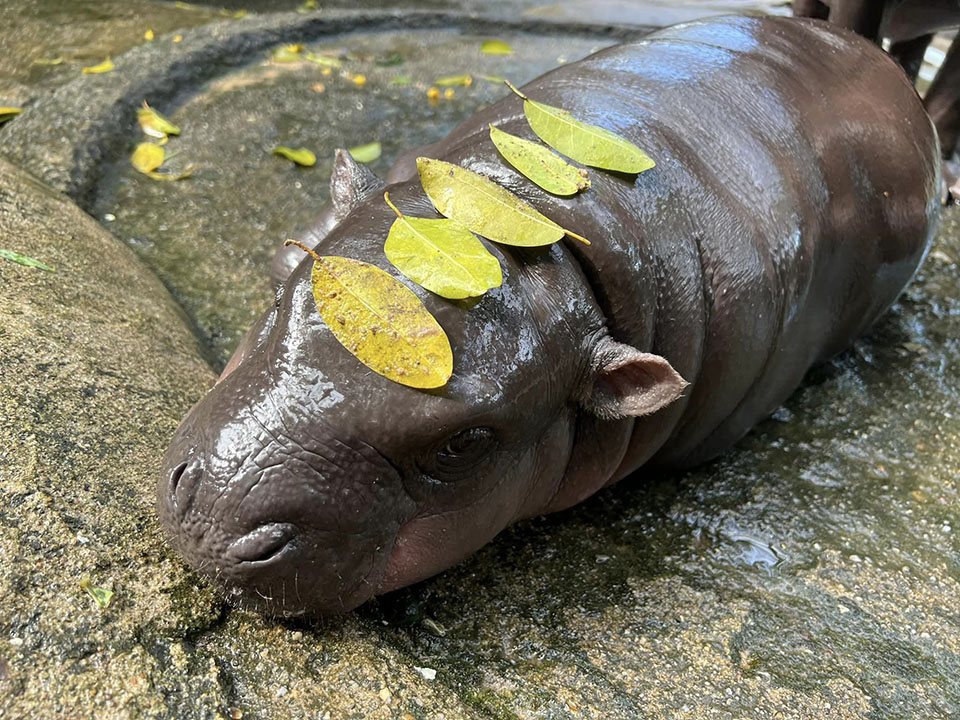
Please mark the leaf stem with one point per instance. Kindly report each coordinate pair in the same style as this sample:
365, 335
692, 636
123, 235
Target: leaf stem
514, 88
581, 238
386, 198
304, 248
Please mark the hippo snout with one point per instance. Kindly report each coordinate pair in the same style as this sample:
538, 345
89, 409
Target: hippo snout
279, 527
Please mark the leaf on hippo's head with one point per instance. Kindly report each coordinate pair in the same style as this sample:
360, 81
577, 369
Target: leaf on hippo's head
486, 208
301, 156
380, 321
441, 255
540, 164
585, 143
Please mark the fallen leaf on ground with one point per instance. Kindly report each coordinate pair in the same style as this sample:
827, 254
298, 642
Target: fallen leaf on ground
301, 156
8, 113
366, 153
495, 47
104, 67
16, 257
147, 157
154, 124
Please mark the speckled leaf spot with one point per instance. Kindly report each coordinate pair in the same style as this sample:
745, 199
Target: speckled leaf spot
380, 321
441, 255
486, 208
539, 164
580, 141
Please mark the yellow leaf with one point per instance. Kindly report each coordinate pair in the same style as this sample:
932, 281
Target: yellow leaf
441, 255
101, 596
381, 322
301, 156
585, 143
154, 124
323, 60
486, 208
148, 35
540, 164
8, 113
495, 47
104, 67
147, 157
287, 54
49, 61
464, 80
366, 153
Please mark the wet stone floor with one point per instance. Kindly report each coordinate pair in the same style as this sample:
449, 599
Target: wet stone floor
811, 572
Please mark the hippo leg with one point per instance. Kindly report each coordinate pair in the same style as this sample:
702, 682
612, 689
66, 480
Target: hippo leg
350, 184
909, 53
811, 9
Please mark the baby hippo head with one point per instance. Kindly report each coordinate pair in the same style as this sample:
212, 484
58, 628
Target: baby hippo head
304, 483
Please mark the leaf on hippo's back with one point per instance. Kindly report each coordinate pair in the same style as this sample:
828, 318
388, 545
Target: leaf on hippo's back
366, 153
147, 157
585, 143
441, 255
101, 596
154, 124
8, 113
16, 257
486, 208
381, 322
496, 47
301, 156
540, 164
452, 80
104, 67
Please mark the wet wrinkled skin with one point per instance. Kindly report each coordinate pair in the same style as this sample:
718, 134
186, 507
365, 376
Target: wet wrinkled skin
789, 207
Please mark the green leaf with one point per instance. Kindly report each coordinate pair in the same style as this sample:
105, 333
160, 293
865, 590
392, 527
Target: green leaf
302, 156
154, 124
539, 164
147, 157
402, 80
104, 67
102, 596
366, 153
380, 321
49, 61
441, 255
486, 208
495, 47
8, 113
287, 54
323, 60
23, 260
390, 60
307, 6
464, 80
585, 143
492, 79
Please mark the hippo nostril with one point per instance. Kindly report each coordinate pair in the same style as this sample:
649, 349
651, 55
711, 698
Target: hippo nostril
175, 476
265, 543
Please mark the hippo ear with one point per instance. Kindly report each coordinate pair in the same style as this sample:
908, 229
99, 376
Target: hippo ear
624, 382
350, 184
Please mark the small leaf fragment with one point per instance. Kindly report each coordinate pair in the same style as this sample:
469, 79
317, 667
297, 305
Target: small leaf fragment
585, 143
401, 80
540, 164
104, 67
390, 60
23, 260
187, 172
49, 61
307, 6
323, 60
154, 124
464, 80
496, 47
102, 596
287, 54
8, 113
492, 79
441, 255
486, 208
381, 322
366, 153
147, 157
301, 156
149, 35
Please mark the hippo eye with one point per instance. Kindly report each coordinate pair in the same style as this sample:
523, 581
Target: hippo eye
460, 454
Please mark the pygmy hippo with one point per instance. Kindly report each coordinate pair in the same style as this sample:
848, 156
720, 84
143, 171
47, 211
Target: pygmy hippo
794, 195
